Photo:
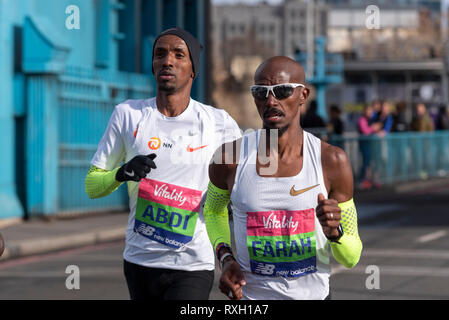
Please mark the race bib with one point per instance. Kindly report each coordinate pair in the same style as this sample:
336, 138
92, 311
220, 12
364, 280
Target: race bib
166, 213
282, 243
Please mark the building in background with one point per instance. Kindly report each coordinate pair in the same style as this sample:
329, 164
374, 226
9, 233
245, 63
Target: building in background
243, 35
402, 61
64, 65
280, 29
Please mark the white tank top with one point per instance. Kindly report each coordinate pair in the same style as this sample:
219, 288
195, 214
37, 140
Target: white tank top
281, 247
166, 226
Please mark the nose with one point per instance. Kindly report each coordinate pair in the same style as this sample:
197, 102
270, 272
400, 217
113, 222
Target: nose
168, 60
271, 100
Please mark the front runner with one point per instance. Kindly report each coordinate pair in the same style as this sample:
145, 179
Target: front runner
285, 219
167, 143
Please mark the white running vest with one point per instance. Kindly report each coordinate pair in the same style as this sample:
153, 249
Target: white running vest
166, 226
281, 247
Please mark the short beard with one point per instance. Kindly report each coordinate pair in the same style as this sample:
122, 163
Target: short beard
281, 131
166, 88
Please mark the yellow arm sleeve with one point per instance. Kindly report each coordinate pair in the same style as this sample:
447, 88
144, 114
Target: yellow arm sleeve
100, 183
216, 215
348, 251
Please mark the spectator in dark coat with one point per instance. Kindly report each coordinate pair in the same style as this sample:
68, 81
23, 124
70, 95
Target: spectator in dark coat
443, 118
400, 123
335, 126
311, 118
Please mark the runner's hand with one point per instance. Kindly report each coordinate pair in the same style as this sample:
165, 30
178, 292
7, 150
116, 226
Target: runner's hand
329, 214
232, 280
136, 169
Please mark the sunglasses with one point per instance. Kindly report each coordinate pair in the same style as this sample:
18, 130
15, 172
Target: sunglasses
279, 91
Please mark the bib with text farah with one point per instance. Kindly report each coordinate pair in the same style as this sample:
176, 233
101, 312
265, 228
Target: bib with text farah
282, 243
166, 213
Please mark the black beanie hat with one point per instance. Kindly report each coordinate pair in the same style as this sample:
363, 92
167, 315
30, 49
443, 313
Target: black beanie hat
192, 43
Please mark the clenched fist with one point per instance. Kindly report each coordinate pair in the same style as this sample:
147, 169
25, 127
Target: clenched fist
136, 169
329, 214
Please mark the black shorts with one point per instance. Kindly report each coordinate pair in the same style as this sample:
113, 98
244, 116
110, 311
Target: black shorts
165, 284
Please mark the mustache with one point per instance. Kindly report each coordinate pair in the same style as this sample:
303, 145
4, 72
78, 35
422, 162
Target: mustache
166, 72
273, 112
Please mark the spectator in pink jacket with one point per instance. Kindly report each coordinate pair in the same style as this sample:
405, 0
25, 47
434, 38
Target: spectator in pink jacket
365, 145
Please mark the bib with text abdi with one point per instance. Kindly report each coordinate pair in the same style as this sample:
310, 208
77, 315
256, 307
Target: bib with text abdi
166, 213
282, 243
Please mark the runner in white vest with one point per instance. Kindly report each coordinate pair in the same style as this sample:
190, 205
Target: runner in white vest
291, 196
166, 143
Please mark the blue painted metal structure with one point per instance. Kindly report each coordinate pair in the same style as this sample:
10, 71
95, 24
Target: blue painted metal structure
400, 157
59, 85
328, 69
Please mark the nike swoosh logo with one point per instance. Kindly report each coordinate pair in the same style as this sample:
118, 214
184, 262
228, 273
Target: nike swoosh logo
295, 193
190, 149
131, 174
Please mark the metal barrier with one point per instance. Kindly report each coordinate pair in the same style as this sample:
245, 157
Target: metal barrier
85, 103
398, 157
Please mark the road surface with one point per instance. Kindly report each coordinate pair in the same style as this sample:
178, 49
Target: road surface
405, 256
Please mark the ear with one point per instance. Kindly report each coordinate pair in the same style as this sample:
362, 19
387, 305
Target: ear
305, 92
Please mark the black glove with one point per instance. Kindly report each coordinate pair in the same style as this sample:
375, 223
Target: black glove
136, 169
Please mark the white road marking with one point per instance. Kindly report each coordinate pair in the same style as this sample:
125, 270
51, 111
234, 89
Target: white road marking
432, 236
84, 272
399, 271
406, 253
338, 269
400, 253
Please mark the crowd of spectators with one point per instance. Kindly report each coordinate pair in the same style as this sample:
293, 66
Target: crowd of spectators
379, 119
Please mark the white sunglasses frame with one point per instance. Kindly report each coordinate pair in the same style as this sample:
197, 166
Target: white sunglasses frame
270, 88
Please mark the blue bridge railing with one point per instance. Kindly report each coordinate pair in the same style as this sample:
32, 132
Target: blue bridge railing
86, 100
398, 157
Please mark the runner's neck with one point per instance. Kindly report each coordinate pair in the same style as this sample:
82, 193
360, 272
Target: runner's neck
172, 105
289, 143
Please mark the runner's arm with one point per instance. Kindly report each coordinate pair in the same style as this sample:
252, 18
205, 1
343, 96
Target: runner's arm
347, 252
216, 216
221, 175
340, 183
100, 183
100, 180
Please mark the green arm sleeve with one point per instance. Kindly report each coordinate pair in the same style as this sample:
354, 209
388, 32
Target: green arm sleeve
100, 183
348, 252
216, 215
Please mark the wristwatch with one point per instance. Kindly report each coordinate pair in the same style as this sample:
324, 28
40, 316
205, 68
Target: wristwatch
340, 234
223, 257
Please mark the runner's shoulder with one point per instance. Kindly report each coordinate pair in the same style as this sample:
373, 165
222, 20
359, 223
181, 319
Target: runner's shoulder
333, 158
214, 113
228, 154
337, 172
131, 105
